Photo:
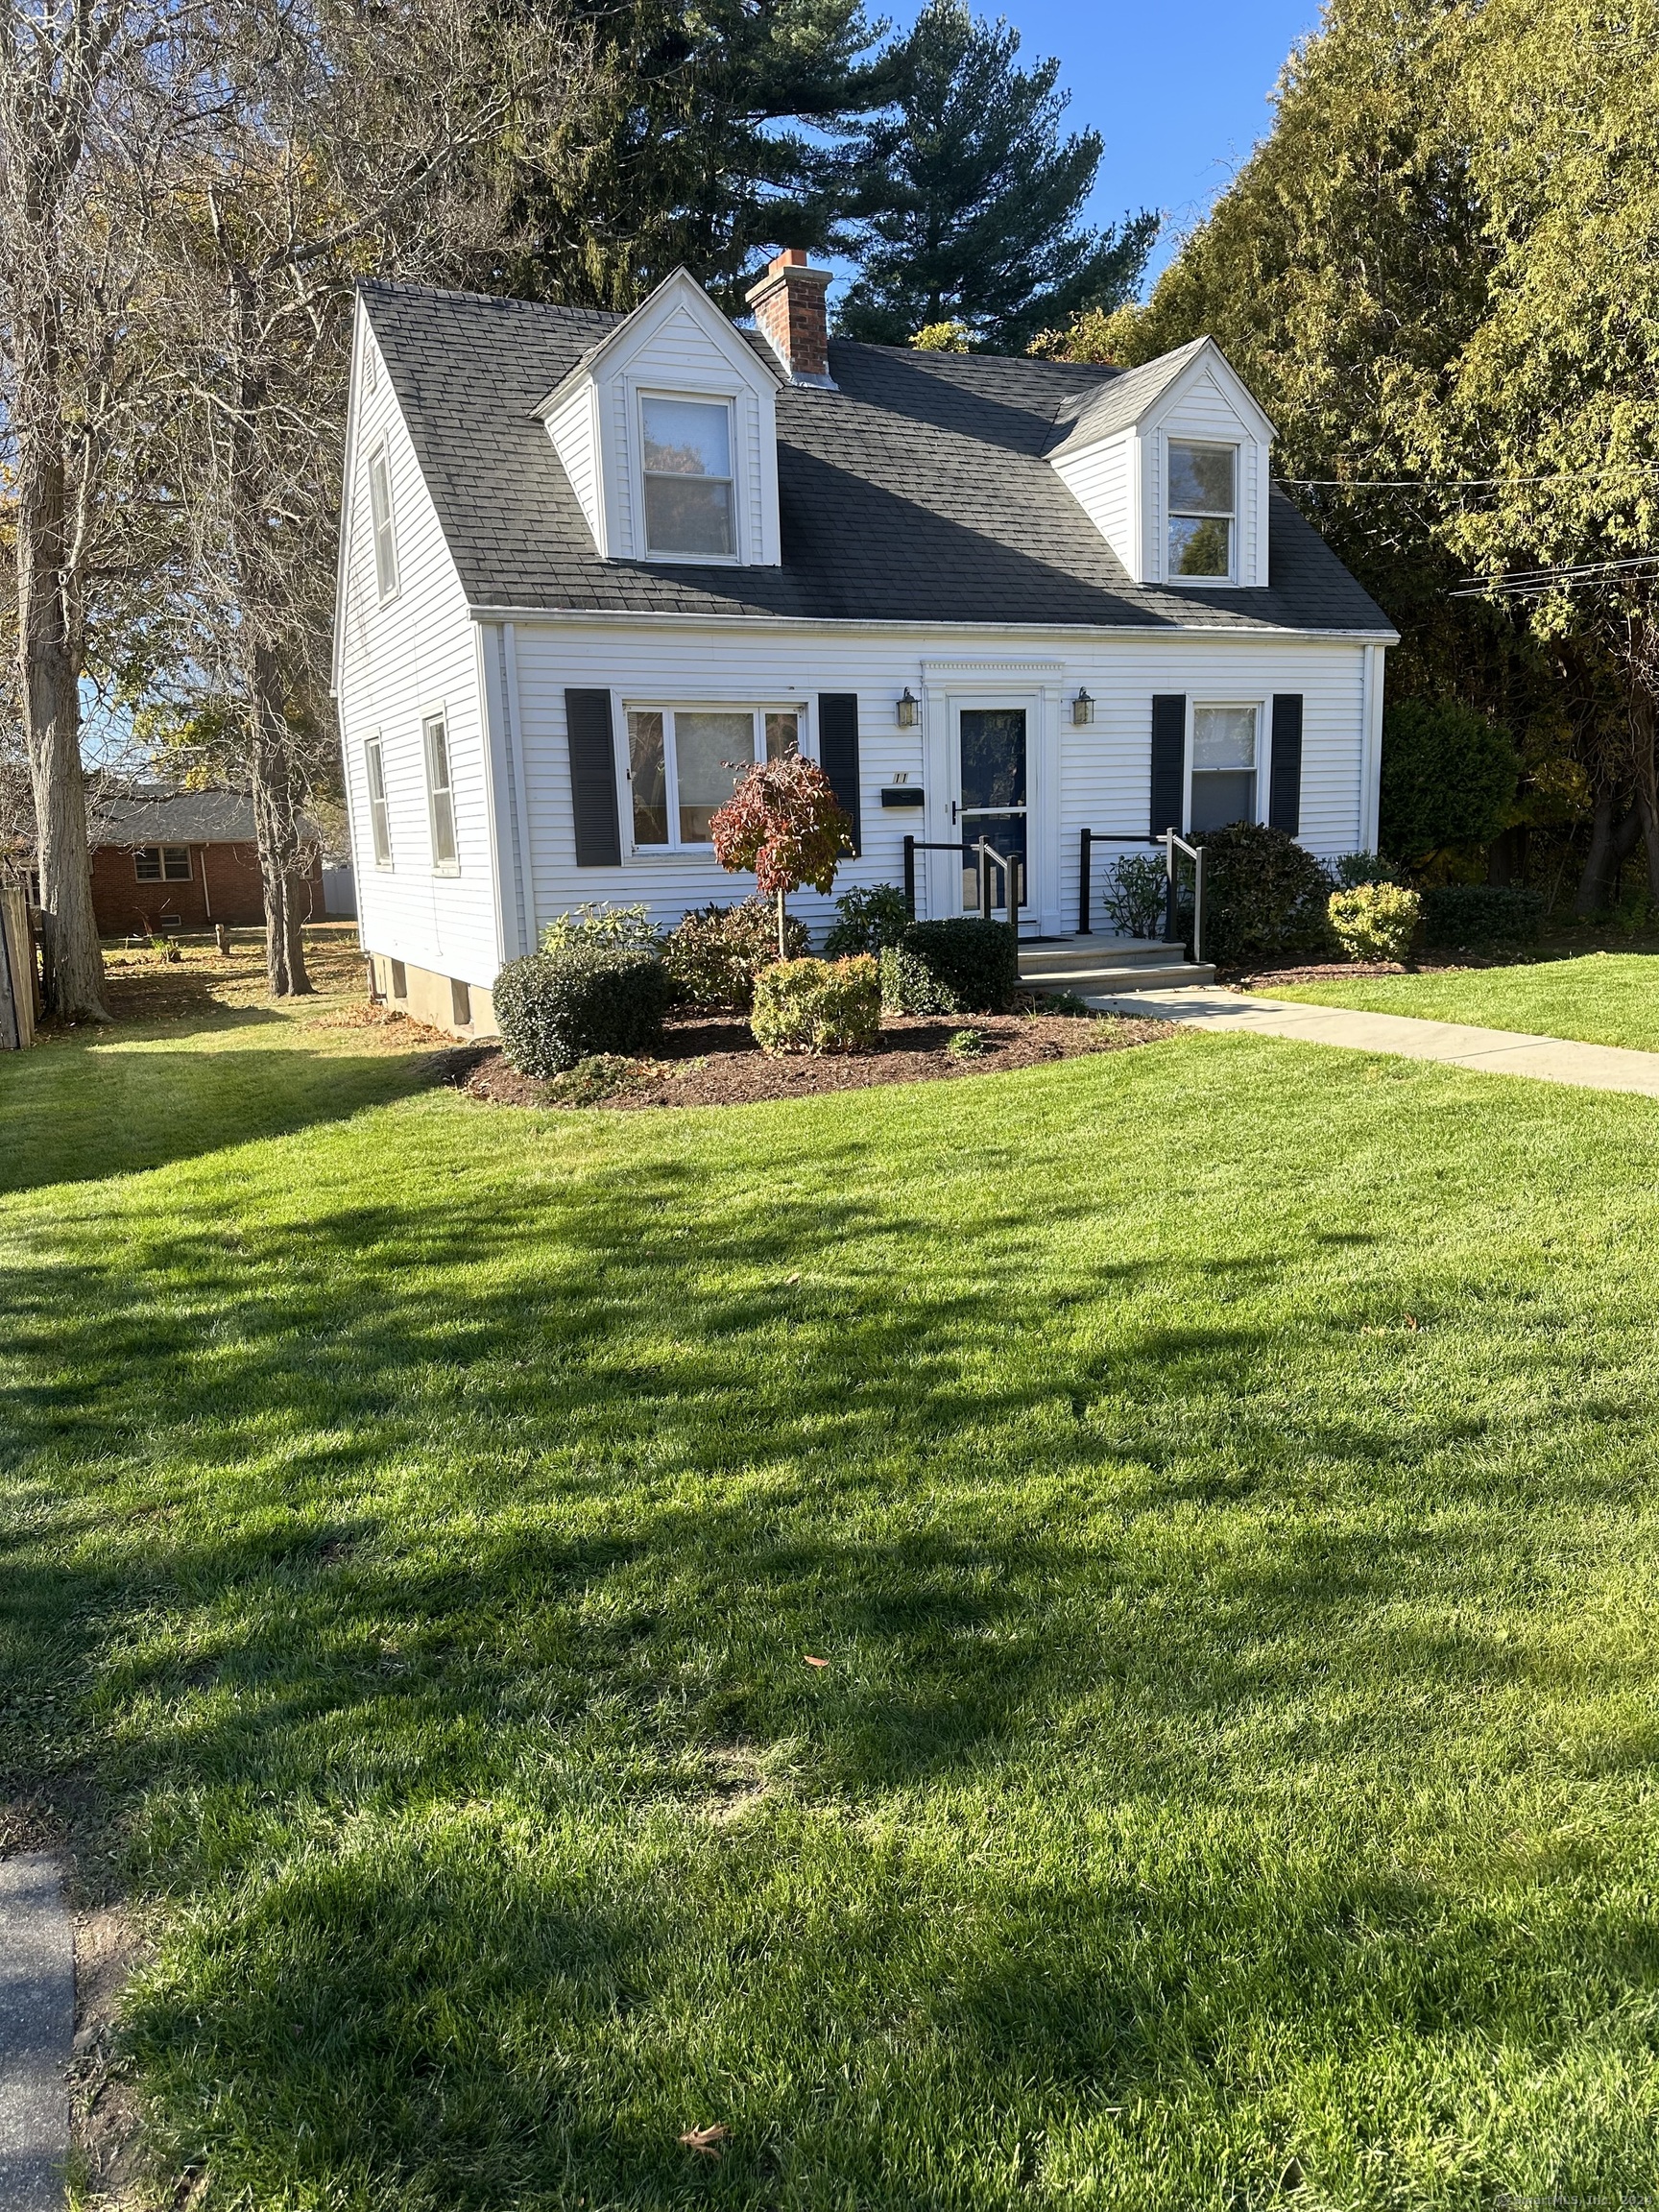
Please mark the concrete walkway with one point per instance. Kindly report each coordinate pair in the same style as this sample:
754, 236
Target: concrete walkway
1489, 1052
37, 2033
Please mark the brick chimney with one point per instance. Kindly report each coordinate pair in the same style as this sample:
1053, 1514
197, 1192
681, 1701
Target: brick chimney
788, 304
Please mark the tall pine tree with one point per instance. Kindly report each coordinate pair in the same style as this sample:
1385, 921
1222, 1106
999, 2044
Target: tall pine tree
965, 199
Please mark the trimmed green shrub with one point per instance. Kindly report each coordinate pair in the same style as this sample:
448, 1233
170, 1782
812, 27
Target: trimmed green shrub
1375, 921
1134, 894
1352, 869
1449, 777
868, 921
1263, 894
557, 1008
817, 1005
605, 927
959, 967
1481, 914
714, 956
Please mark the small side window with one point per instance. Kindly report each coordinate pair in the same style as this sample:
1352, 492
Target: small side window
460, 1003
440, 798
380, 513
380, 814
399, 979
147, 864
175, 863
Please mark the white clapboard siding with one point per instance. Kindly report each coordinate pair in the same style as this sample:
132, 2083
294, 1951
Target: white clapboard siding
573, 426
399, 663
1101, 480
1104, 768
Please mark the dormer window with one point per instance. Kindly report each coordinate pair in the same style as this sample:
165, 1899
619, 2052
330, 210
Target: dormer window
686, 449
1202, 508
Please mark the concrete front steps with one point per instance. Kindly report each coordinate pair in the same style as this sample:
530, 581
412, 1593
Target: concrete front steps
1096, 966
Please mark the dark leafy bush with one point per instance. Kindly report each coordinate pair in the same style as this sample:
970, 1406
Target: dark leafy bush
869, 919
1449, 777
817, 1005
1481, 914
557, 1008
714, 956
1350, 870
1133, 897
1263, 894
603, 928
959, 967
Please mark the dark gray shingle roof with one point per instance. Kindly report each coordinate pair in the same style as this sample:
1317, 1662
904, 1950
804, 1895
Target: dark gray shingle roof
917, 491
161, 814
1123, 400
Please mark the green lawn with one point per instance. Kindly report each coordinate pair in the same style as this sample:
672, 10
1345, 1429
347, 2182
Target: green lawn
1221, 1475
1603, 997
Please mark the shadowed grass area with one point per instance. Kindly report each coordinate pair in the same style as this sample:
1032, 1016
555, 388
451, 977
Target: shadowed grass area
1601, 997
1220, 1477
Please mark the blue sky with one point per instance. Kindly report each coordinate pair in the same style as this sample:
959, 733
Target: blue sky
1179, 94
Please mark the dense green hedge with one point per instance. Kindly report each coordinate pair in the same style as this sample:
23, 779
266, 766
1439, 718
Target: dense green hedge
714, 956
958, 967
556, 1008
1481, 914
1263, 894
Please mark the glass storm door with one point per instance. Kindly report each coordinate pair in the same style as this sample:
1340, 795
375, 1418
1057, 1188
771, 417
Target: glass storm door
993, 806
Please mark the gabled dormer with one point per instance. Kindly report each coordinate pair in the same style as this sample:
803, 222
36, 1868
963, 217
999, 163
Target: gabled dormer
1170, 461
667, 430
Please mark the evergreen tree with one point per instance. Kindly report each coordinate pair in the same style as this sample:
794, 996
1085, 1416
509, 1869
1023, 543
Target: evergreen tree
964, 198
696, 157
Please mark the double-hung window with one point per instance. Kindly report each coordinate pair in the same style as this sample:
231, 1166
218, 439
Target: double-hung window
684, 764
1223, 766
1201, 508
380, 813
380, 515
162, 864
686, 450
439, 796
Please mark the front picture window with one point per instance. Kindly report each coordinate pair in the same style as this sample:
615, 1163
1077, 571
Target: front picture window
1200, 510
688, 450
1223, 766
684, 764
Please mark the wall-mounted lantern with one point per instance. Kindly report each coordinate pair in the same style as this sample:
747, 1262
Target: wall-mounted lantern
1082, 708
909, 710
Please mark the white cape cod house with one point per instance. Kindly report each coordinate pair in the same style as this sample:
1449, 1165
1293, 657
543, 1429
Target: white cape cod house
589, 562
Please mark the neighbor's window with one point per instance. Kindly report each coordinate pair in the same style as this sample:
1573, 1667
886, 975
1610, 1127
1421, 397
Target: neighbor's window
684, 764
162, 864
1223, 766
380, 513
1201, 508
440, 798
688, 450
380, 814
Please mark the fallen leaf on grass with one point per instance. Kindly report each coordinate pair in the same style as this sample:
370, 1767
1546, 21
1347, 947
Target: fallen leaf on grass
706, 2141
812, 1662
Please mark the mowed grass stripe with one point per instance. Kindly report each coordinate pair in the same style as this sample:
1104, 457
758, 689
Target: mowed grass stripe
1220, 1475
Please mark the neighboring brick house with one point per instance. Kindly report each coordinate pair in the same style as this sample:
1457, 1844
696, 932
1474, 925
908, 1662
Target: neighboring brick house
168, 860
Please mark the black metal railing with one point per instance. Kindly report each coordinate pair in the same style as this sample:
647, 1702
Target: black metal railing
1173, 842
984, 856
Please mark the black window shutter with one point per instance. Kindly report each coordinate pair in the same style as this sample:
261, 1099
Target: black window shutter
1168, 760
839, 753
593, 778
1284, 773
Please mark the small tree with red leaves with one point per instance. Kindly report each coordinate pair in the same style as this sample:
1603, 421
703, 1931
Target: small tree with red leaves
785, 823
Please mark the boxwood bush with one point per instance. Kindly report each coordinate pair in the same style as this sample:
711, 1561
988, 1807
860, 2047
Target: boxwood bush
817, 1005
1481, 914
1375, 921
557, 1008
966, 966
714, 956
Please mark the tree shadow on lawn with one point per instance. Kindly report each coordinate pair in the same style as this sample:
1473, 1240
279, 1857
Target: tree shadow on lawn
416, 1600
77, 1110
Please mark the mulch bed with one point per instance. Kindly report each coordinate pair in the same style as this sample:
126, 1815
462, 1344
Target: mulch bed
715, 1061
1352, 971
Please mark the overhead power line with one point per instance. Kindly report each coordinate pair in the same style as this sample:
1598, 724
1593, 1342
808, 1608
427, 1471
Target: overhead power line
1453, 483
1519, 583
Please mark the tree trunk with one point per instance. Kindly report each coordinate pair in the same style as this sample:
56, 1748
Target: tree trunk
1640, 706
281, 869
1613, 836
73, 959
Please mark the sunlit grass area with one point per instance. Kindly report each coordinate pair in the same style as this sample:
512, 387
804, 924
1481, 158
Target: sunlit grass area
1219, 1478
1602, 998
